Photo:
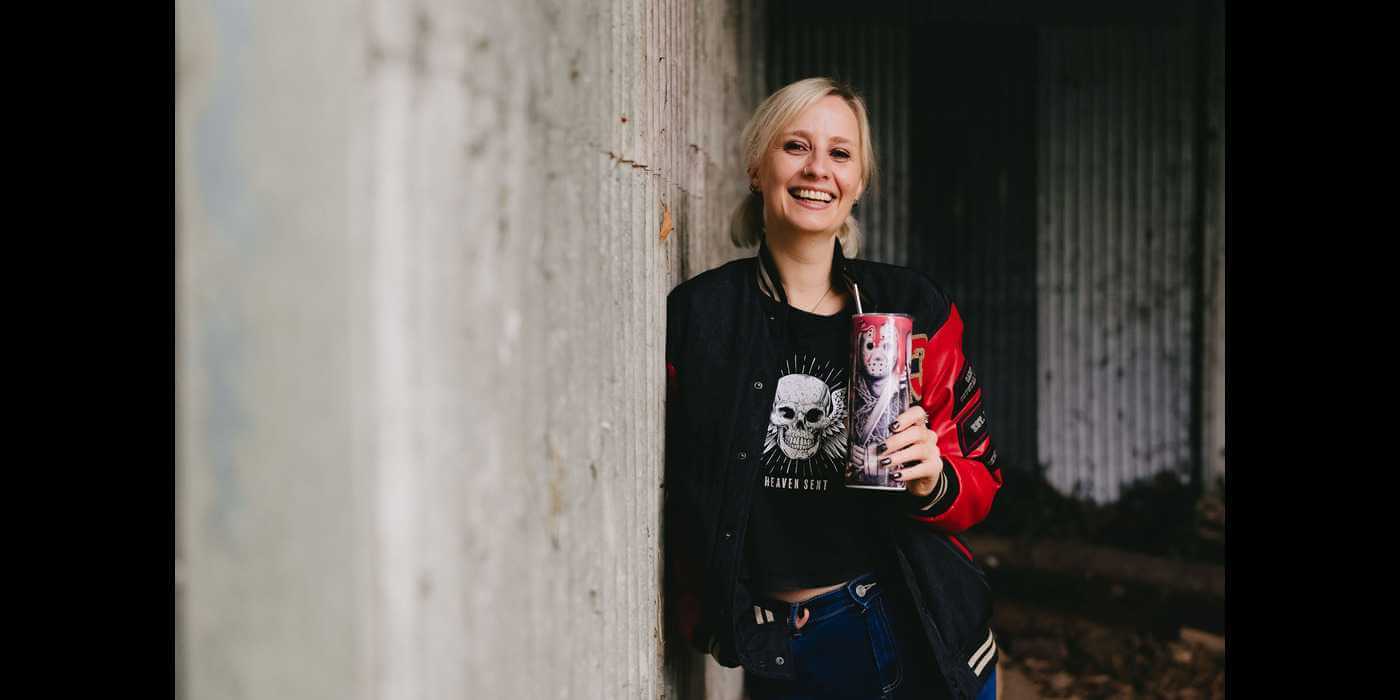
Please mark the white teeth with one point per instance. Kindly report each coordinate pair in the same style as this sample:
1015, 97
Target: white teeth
811, 194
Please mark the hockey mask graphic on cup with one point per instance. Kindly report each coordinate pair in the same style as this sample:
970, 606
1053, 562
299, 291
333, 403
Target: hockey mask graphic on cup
877, 351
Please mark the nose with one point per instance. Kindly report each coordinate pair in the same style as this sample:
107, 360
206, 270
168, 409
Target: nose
817, 166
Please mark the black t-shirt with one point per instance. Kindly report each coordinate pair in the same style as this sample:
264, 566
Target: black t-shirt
805, 528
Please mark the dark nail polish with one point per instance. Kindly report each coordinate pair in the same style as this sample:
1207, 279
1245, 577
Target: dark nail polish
896, 476
885, 462
893, 426
880, 449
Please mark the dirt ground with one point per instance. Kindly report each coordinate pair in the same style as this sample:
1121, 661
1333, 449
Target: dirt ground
1117, 600
1015, 684
1048, 654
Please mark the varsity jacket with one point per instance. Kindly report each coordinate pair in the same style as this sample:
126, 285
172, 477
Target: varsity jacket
722, 372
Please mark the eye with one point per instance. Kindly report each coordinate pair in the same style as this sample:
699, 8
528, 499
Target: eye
841, 154
794, 146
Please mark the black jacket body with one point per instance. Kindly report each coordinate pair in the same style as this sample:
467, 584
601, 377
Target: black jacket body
722, 367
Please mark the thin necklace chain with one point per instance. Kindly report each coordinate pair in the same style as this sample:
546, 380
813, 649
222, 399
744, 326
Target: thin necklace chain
822, 299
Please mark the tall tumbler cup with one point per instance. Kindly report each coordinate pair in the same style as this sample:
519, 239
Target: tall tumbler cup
878, 393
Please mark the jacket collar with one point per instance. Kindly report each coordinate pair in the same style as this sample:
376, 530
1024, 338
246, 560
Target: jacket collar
771, 283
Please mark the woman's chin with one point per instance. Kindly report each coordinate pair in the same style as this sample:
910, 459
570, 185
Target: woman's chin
812, 225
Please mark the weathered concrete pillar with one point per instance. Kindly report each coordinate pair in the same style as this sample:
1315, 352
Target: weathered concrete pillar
421, 282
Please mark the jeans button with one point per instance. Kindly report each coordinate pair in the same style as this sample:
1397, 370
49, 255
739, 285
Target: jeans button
779, 661
758, 385
743, 455
728, 534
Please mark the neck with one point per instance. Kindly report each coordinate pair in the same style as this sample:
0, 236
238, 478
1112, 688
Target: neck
804, 262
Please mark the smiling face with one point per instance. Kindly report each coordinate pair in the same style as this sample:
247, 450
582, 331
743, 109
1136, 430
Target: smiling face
811, 174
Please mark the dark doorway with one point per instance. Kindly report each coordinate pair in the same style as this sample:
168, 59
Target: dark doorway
972, 144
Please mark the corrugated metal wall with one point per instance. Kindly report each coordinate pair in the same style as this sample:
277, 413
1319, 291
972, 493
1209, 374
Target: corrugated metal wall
1118, 278
1213, 254
869, 50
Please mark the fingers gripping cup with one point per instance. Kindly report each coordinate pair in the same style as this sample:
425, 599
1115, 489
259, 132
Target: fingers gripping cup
879, 392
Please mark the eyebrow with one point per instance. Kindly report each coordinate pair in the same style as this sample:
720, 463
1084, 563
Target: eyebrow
804, 134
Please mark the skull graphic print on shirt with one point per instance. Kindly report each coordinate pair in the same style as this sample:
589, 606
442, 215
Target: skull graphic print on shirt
806, 437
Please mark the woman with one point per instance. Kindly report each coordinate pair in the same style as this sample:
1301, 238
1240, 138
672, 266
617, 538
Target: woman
815, 589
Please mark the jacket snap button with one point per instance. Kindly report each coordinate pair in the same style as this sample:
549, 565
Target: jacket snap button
778, 661
743, 455
758, 385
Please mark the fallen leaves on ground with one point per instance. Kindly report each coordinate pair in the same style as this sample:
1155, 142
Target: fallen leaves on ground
1073, 657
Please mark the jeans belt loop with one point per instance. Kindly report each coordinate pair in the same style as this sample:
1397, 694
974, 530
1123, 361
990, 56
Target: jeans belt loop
863, 589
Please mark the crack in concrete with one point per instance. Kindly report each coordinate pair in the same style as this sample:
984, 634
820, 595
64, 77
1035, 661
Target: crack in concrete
621, 160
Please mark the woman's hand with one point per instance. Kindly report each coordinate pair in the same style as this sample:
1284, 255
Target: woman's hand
913, 452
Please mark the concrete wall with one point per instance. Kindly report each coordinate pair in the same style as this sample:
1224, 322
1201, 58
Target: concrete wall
421, 275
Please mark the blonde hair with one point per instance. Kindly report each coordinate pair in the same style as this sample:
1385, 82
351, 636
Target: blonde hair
767, 122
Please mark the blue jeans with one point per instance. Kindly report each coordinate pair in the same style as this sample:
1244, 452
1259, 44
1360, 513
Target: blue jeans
857, 644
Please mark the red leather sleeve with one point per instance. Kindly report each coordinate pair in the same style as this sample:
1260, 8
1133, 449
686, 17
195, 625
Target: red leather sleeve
947, 387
